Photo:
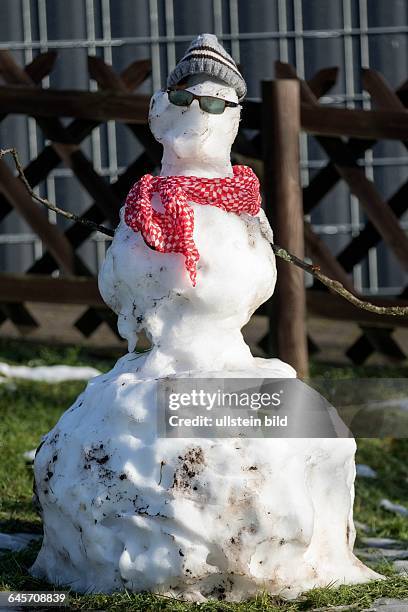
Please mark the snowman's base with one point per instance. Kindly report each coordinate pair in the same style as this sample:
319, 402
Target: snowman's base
193, 518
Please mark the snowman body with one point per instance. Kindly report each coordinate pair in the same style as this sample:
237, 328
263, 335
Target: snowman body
197, 518
151, 291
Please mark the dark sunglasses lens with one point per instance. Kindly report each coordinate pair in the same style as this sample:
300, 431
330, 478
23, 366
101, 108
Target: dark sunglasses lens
180, 97
215, 106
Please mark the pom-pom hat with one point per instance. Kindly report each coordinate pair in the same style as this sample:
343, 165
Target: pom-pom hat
205, 55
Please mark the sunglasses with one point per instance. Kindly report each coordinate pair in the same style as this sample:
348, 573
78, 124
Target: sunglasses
209, 104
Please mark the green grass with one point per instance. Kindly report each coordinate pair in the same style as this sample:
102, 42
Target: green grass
28, 410
17, 352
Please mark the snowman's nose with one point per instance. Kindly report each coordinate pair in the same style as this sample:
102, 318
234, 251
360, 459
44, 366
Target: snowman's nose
195, 102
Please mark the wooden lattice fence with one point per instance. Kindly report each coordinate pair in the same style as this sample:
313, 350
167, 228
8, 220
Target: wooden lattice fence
288, 106
65, 147
344, 135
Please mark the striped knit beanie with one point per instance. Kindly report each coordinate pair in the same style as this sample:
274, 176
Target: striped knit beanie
206, 55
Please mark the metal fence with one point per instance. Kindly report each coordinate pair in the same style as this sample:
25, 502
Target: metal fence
310, 34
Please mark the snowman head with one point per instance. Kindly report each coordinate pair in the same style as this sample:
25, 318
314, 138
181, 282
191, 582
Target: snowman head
191, 133
194, 133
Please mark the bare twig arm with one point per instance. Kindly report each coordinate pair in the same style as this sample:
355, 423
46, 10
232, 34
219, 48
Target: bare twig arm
47, 203
337, 287
330, 283
334, 285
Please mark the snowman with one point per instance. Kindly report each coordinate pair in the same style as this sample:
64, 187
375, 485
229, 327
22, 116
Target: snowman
190, 262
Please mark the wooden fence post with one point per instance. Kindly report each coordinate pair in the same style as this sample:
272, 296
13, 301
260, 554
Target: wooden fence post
283, 206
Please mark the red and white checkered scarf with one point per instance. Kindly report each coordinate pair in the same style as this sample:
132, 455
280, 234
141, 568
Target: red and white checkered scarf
171, 231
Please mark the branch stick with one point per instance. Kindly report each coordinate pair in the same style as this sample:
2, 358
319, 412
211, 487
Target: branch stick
336, 286
331, 284
47, 203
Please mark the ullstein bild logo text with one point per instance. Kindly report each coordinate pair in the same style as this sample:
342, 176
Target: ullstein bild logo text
228, 421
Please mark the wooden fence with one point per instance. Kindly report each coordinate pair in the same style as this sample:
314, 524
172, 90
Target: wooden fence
288, 107
21, 95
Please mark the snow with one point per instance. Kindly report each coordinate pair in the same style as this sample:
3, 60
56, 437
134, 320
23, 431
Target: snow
153, 291
50, 374
395, 508
380, 542
365, 471
29, 456
188, 517
16, 541
195, 518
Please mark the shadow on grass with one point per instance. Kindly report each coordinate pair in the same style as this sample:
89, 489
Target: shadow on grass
335, 371
11, 522
19, 526
14, 568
